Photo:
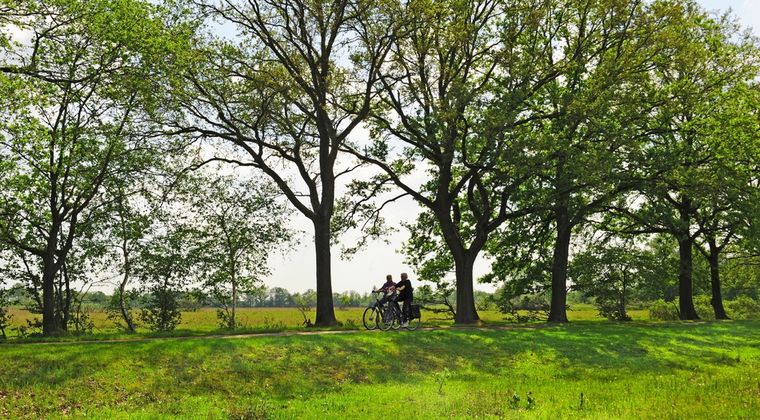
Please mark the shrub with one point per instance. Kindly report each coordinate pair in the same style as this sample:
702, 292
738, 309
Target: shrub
704, 307
663, 311
743, 307
161, 311
5, 315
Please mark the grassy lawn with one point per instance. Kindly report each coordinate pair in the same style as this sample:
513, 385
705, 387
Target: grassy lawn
663, 370
253, 320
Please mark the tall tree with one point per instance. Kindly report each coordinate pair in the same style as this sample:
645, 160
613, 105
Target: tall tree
287, 92
705, 58
455, 93
609, 46
70, 94
727, 211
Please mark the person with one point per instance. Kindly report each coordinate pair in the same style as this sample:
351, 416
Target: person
389, 289
405, 295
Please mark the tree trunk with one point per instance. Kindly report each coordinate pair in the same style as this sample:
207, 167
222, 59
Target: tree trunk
233, 321
558, 310
717, 298
50, 325
685, 292
325, 307
466, 313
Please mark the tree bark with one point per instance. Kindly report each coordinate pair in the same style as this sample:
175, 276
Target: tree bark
233, 321
50, 325
325, 307
122, 289
717, 298
466, 313
685, 288
558, 310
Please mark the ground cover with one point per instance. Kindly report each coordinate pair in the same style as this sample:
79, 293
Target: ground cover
254, 320
586, 369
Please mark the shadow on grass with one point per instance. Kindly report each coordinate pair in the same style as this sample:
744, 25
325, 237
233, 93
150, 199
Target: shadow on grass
292, 366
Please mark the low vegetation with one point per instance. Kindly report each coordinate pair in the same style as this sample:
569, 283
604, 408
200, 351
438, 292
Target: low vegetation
583, 369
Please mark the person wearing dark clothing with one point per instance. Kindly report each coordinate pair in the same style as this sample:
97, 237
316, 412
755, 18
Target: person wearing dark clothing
388, 288
405, 295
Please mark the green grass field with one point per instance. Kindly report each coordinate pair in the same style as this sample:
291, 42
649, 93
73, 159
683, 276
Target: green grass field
633, 370
252, 320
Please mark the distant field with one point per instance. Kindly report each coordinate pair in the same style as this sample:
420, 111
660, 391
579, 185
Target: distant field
204, 321
586, 369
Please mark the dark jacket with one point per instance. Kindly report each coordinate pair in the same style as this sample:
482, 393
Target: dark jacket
405, 294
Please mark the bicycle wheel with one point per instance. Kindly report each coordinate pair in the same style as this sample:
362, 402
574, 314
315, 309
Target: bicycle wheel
370, 318
387, 318
396, 318
414, 324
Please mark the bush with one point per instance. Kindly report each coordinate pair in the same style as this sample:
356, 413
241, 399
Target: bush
161, 311
663, 311
704, 307
5, 315
743, 307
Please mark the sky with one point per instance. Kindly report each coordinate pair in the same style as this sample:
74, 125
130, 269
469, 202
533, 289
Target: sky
295, 270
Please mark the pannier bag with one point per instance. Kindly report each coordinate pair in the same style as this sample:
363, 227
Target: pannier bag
415, 309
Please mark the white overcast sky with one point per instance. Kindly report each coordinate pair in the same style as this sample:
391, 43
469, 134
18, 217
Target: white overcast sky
295, 270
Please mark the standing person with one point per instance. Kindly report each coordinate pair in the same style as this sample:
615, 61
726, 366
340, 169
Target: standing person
389, 289
404, 289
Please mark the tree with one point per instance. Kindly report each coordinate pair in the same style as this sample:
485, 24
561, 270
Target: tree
456, 93
69, 96
706, 59
238, 224
167, 264
610, 271
287, 94
725, 213
596, 103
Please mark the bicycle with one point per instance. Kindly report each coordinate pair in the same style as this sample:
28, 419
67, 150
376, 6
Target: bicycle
391, 318
372, 314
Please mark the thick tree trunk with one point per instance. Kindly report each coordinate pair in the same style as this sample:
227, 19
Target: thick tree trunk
50, 325
558, 310
717, 297
466, 313
325, 307
685, 288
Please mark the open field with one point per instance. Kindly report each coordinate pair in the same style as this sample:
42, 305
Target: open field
204, 321
581, 370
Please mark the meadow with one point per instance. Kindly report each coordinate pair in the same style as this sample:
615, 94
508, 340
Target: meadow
585, 369
252, 320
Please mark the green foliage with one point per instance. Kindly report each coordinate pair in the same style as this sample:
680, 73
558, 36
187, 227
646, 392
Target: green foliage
5, 316
703, 307
663, 311
610, 273
520, 308
160, 310
441, 377
743, 307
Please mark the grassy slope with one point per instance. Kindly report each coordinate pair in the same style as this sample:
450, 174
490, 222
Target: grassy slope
670, 370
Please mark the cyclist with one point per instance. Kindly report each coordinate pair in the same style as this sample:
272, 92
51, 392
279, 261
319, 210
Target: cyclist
404, 289
389, 289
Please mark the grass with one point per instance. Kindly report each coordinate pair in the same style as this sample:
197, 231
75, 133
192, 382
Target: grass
633, 370
255, 320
